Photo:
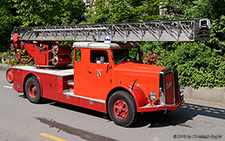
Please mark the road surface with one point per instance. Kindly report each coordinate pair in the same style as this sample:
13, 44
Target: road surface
21, 120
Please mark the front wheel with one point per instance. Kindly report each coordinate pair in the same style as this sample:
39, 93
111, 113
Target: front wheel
33, 90
122, 108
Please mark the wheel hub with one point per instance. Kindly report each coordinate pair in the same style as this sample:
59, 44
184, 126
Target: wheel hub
32, 90
120, 109
10, 76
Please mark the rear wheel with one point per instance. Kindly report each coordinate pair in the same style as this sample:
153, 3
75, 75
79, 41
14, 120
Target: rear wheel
9, 75
33, 90
122, 108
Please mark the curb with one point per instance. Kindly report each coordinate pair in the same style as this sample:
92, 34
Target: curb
216, 94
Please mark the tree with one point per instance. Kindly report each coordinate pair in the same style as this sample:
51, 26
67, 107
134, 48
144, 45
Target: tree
38, 12
51, 12
112, 11
7, 20
201, 63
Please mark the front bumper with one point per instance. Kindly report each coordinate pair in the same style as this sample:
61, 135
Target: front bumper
152, 108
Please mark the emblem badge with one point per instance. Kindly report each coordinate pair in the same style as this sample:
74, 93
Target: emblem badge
168, 85
99, 74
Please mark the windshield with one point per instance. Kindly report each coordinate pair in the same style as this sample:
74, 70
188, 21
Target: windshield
126, 55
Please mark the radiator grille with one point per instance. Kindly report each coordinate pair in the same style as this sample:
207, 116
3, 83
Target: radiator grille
169, 88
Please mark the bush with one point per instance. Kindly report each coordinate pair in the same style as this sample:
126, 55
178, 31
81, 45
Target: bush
197, 64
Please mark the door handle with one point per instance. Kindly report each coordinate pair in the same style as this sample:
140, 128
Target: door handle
89, 70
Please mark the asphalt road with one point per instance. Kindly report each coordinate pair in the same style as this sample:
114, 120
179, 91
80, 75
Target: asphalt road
21, 120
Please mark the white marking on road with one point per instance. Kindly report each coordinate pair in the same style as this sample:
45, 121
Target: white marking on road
9, 87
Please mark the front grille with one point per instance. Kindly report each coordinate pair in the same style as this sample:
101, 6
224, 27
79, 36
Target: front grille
169, 87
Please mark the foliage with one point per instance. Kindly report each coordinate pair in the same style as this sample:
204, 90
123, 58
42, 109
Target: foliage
38, 12
52, 12
211, 9
197, 64
201, 63
4, 55
217, 36
151, 59
6, 24
112, 11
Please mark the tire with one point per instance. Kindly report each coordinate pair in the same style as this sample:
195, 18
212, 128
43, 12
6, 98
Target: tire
33, 90
122, 108
10, 75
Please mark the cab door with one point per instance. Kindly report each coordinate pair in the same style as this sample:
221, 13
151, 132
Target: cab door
99, 74
81, 74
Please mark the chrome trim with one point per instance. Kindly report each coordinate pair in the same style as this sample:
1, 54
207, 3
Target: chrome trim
174, 93
71, 93
162, 97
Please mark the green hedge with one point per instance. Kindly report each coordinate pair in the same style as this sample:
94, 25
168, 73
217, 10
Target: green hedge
197, 64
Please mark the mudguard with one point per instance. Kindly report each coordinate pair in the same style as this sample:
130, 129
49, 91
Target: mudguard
137, 94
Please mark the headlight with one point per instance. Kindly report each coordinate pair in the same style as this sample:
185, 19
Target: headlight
153, 95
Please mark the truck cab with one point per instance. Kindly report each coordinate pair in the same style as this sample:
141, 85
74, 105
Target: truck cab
113, 75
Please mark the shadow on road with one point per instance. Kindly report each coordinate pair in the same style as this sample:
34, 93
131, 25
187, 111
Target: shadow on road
79, 109
74, 131
178, 118
157, 119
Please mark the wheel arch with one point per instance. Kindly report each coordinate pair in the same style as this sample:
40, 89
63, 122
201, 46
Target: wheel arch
136, 93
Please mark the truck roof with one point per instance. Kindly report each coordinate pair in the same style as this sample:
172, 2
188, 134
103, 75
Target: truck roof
102, 45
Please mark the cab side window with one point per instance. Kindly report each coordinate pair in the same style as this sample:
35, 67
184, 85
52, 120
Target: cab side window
78, 55
99, 57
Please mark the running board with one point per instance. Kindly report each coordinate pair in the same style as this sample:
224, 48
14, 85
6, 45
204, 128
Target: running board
70, 92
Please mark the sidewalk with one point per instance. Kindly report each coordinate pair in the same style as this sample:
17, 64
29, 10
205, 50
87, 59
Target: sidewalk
216, 94
205, 103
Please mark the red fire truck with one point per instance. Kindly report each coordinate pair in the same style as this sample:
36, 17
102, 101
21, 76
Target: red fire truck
105, 76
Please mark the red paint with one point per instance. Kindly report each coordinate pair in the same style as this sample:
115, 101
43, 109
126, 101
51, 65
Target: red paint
43, 54
9, 75
169, 88
61, 60
15, 38
137, 93
60, 50
49, 86
32, 90
94, 83
120, 109
150, 108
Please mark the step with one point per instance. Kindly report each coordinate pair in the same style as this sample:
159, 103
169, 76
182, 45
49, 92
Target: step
68, 92
70, 83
